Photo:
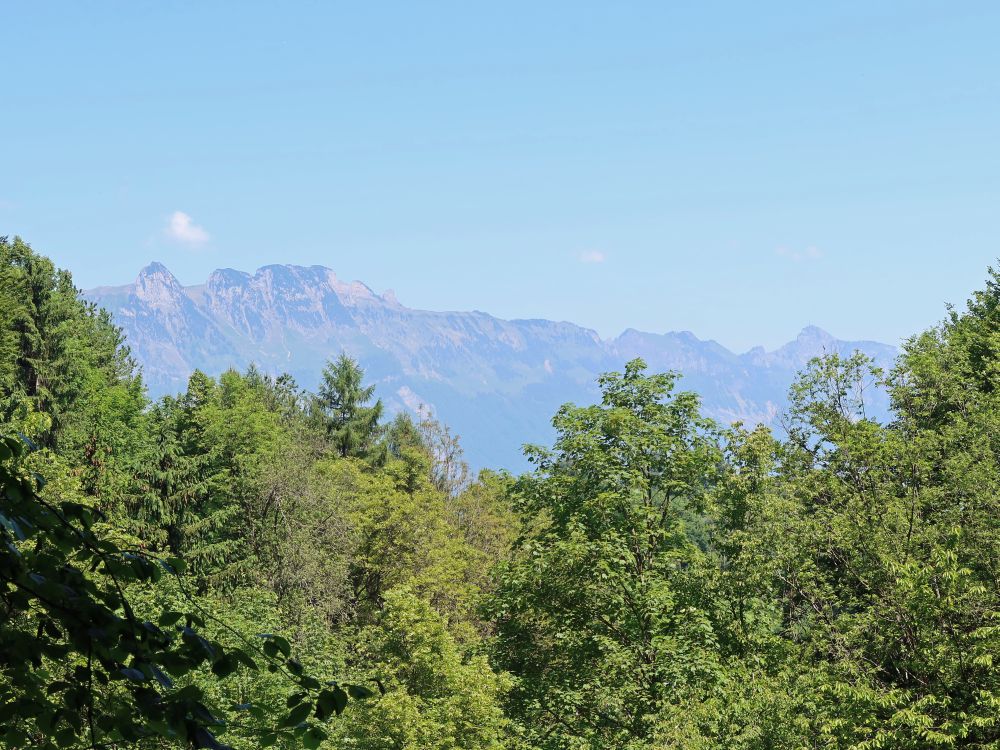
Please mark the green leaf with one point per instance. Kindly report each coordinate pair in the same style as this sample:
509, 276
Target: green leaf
244, 658
330, 702
313, 738
309, 683
225, 666
359, 691
66, 737
283, 645
297, 715
169, 617
174, 565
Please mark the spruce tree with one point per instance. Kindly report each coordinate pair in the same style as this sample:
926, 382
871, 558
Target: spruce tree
352, 426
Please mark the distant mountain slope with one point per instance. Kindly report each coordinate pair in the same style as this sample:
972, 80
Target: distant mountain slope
496, 382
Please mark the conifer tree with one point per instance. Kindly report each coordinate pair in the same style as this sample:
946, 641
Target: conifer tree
352, 426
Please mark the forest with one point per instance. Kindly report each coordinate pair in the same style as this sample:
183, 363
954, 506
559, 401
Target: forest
248, 564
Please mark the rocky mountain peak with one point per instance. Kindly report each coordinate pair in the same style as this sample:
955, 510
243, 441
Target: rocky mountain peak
157, 287
224, 278
157, 272
813, 334
496, 382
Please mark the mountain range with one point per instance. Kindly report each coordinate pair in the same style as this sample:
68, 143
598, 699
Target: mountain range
495, 382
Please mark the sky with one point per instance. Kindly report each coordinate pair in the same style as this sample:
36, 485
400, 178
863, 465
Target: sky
739, 170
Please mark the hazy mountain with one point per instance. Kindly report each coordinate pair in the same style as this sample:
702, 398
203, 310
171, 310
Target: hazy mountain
496, 382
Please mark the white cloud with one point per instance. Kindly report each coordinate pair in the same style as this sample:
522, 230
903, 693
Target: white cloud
183, 229
809, 253
592, 256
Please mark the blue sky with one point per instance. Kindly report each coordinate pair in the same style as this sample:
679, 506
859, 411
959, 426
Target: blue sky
735, 169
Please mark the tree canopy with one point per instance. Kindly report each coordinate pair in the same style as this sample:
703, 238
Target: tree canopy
247, 564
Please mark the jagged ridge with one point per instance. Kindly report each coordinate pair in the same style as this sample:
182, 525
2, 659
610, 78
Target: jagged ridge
497, 382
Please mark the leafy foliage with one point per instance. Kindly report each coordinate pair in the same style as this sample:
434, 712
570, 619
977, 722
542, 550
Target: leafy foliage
76, 658
233, 566
436, 696
606, 612
836, 589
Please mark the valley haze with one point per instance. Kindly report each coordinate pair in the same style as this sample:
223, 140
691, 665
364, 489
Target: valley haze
496, 383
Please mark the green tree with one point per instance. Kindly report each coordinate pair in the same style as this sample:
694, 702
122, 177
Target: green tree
81, 665
436, 696
400, 537
64, 358
859, 559
605, 615
889, 562
352, 426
